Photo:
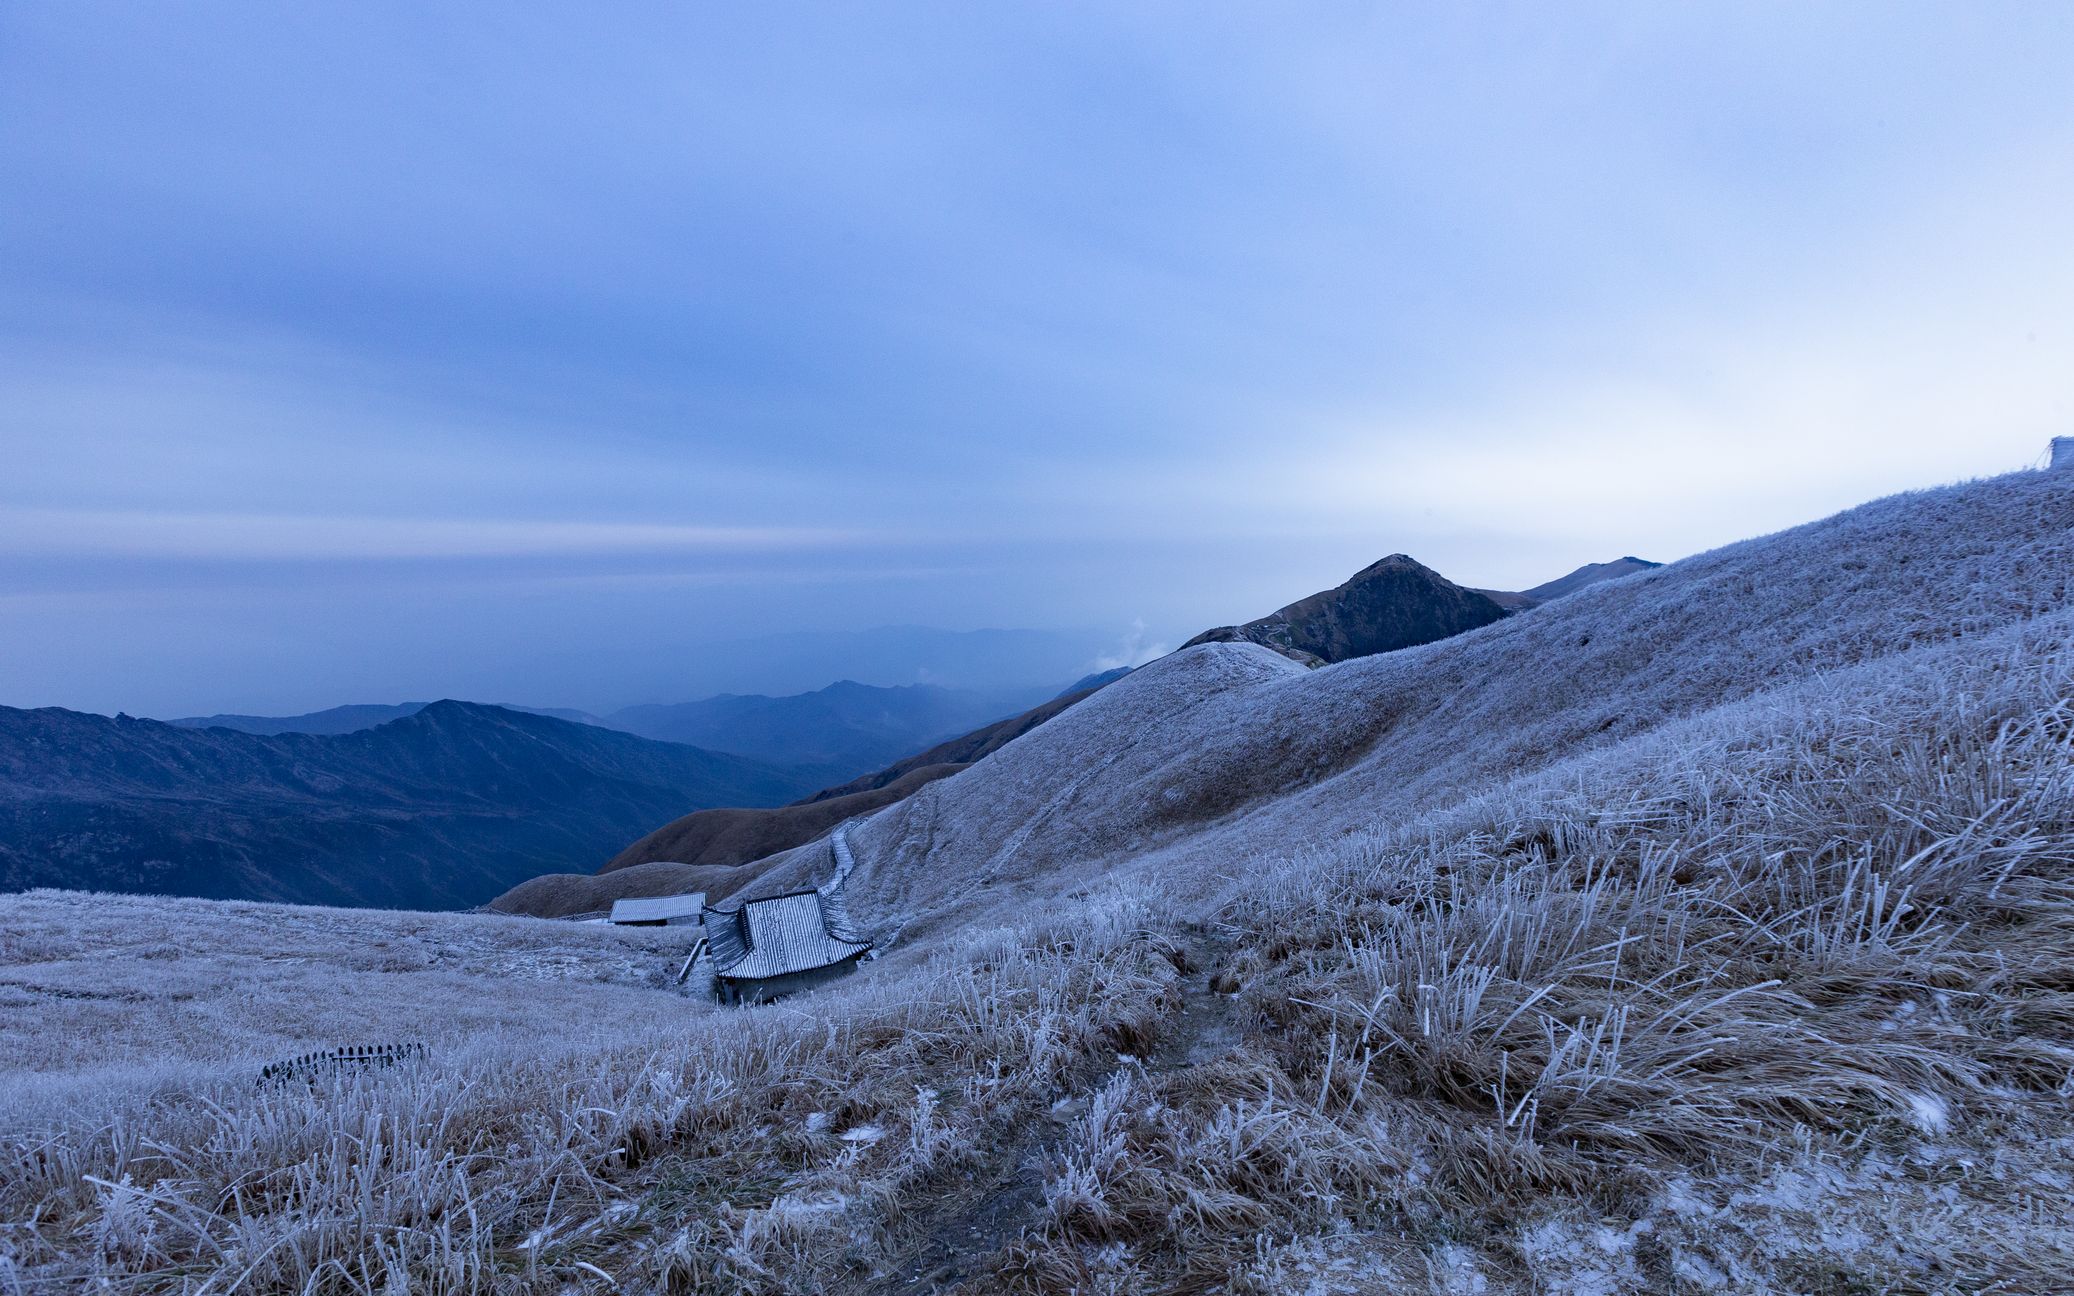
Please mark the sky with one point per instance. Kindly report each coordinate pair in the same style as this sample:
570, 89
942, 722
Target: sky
563, 354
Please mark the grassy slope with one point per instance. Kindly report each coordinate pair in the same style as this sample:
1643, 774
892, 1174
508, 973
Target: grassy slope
723, 850
1222, 758
91, 983
1706, 931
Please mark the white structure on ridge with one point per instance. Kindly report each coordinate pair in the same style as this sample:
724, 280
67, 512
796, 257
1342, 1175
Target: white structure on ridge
660, 911
2063, 452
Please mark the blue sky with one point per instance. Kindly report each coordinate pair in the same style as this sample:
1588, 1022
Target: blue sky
377, 351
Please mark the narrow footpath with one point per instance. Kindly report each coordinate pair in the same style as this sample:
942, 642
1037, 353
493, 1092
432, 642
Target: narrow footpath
956, 1244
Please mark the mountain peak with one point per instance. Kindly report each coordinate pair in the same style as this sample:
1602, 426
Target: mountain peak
1589, 574
459, 706
1394, 602
454, 711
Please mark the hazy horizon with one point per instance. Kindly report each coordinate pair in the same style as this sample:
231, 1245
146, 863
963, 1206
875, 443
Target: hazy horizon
989, 660
504, 353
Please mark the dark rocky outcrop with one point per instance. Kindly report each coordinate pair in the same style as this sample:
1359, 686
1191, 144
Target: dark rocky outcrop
1392, 604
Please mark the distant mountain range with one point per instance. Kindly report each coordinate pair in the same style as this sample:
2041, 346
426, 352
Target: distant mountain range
792, 662
835, 732
351, 719
846, 728
1394, 603
444, 807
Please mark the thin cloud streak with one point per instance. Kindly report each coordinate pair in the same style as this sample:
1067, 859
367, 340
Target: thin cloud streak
235, 537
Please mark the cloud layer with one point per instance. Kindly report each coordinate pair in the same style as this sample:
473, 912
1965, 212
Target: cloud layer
341, 352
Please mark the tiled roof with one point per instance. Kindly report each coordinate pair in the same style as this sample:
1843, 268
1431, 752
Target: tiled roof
659, 908
778, 934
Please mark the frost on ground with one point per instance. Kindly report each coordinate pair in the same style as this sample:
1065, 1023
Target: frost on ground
1639, 944
101, 982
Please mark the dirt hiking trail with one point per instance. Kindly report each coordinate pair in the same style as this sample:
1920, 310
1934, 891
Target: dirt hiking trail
957, 1243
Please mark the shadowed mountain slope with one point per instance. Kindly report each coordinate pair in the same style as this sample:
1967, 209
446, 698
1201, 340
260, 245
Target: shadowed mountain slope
1095, 681
836, 732
332, 720
738, 834
1391, 604
442, 808
957, 753
566, 895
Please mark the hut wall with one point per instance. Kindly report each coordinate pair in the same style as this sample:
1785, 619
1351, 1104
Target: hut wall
764, 989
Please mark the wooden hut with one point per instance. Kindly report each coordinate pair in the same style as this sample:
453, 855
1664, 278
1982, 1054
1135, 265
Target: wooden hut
778, 945
660, 911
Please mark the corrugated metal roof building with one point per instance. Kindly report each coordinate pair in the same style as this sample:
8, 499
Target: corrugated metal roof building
660, 911
776, 945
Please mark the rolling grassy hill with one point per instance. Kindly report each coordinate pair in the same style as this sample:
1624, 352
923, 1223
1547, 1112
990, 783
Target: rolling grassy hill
1702, 930
739, 836
1267, 753
1388, 605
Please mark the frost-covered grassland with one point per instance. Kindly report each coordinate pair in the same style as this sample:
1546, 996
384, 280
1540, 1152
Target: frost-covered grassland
1731, 956
107, 984
1222, 758
710, 1150
1775, 999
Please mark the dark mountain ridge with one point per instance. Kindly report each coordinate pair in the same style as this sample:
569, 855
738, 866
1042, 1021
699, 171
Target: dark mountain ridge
1089, 682
838, 732
1394, 603
352, 717
441, 808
